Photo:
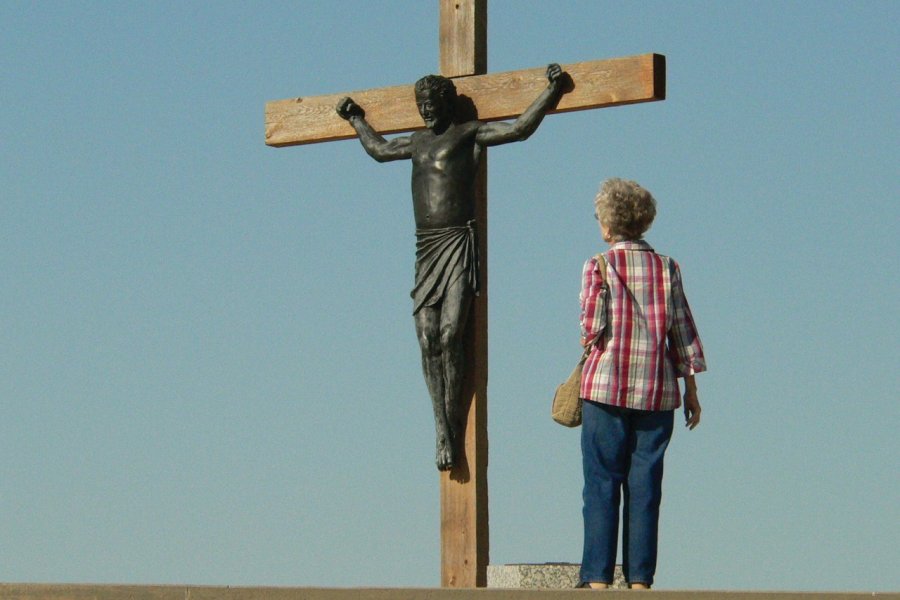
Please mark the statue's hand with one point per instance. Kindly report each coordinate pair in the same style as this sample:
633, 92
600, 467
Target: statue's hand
554, 72
347, 108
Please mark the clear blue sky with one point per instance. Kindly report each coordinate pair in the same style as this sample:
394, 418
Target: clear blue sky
208, 371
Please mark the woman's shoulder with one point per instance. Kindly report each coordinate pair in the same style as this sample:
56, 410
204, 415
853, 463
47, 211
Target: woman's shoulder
590, 266
594, 260
670, 262
663, 257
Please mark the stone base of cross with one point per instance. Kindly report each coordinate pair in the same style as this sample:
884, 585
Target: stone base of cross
463, 56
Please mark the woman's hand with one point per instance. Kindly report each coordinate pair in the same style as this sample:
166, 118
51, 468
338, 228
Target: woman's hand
691, 403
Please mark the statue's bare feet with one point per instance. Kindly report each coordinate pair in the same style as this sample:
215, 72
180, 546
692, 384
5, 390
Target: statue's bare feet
444, 458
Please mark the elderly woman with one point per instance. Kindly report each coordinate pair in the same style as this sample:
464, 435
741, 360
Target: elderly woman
636, 318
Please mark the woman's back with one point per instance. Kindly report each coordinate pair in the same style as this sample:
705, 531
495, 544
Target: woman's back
649, 335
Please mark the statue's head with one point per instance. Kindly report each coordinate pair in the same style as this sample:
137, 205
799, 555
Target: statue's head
436, 99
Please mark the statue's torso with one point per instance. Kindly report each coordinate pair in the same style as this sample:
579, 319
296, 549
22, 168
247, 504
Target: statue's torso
444, 167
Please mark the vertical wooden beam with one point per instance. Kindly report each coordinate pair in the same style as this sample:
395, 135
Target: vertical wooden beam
463, 37
464, 493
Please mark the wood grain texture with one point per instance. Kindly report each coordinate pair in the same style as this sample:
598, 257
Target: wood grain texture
463, 35
496, 96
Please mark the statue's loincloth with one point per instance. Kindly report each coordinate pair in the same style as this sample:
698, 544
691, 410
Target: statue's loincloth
442, 257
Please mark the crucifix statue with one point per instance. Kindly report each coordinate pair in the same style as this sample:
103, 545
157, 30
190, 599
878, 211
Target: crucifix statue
445, 159
449, 193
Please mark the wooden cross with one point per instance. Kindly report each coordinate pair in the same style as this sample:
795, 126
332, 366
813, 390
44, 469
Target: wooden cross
463, 56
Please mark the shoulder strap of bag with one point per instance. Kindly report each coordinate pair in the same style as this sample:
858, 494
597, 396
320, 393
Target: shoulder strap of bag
601, 266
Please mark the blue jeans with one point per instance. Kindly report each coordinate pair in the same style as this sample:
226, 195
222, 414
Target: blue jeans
622, 453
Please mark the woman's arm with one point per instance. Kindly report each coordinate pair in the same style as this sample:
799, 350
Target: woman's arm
691, 403
685, 347
593, 307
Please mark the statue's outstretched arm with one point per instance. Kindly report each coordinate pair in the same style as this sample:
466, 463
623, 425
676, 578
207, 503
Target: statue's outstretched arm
375, 144
501, 132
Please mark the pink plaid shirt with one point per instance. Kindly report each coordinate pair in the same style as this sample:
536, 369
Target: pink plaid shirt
647, 333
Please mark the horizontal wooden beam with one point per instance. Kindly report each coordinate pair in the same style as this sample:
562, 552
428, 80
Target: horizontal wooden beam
496, 96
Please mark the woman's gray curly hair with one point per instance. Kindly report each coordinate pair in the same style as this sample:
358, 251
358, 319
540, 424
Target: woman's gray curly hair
625, 208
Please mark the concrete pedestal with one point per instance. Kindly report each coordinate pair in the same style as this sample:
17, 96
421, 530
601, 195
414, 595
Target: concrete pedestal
546, 576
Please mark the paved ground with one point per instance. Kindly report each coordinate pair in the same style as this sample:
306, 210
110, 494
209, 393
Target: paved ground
127, 592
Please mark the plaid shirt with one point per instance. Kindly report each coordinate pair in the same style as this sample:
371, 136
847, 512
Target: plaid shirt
647, 333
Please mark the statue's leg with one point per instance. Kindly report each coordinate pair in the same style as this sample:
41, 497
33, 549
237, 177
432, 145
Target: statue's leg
454, 316
428, 330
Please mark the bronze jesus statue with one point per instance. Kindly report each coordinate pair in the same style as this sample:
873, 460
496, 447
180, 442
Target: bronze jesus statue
445, 159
